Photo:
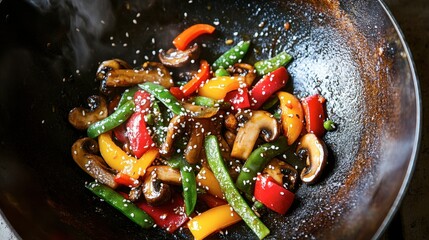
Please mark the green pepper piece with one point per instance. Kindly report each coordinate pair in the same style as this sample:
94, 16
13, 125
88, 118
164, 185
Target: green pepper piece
124, 206
160, 124
221, 72
127, 95
118, 117
257, 161
265, 66
189, 182
232, 56
235, 200
163, 95
204, 101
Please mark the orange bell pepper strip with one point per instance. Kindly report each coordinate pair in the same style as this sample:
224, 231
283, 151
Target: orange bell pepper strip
188, 35
206, 179
203, 74
117, 159
212, 221
218, 87
292, 116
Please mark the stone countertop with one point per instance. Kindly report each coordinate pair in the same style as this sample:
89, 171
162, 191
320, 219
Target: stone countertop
412, 219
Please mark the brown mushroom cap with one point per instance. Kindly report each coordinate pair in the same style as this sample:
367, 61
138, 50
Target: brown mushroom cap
317, 155
245, 70
259, 122
177, 58
110, 65
81, 117
283, 173
175, 127
150, 72
155, 185
84, 154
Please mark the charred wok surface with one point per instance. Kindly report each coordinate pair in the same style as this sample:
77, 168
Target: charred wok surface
354, 61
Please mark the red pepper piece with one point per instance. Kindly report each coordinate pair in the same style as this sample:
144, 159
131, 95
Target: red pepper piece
203, 74
211, 200
126, 180
267, 86
142, 101
168, 216
177, 93
272, 195
314, 114
188, 35
138, 135
239, 99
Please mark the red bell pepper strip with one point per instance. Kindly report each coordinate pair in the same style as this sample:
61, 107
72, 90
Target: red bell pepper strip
203, 74
168, 216
267, 86
272, 195
137, 132
314, 114
211, 200
126, 180
239, 99
177, 93
188, 35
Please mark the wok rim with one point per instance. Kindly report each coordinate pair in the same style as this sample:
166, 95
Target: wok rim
417, 139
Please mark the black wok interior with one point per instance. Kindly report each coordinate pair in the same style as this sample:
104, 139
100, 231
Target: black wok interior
348, 51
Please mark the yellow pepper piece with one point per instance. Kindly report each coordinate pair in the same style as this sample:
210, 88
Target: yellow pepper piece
117, 159
218, 87
206, 179
212, 220
292, 116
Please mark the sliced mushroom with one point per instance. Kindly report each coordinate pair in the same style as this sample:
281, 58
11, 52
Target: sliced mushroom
177, 58
245, 70
259, 122
150, 72
230, 137
231, 123
196, 139
135, 193
283, 173
156, 189
110, 65
84, 153
81, 117
316, 157
200, 111
175, 128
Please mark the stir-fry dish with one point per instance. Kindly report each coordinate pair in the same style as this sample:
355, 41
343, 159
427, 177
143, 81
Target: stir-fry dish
184, 143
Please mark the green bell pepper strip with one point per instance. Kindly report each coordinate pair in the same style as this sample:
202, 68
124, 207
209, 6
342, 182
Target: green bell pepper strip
232, 56
160, 124
265, 66
163, 95
124, 206
235, 200
189, 182
221, 72
127, 95
118, 117
257, 161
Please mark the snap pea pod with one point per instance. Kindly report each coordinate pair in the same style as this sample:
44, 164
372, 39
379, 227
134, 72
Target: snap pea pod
257, 161
265, 66
124, 206
235, 200
127, 95
189, 182
118, 117
160, 124
231, 56
163, 95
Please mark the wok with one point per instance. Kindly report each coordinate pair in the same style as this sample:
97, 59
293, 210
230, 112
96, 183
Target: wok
351, 52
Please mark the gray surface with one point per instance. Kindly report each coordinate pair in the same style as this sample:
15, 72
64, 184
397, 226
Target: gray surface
412, 219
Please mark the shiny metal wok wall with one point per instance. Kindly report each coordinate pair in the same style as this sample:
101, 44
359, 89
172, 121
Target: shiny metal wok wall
348, 51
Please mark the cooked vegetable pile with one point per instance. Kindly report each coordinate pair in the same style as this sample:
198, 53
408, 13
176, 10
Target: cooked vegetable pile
187, 143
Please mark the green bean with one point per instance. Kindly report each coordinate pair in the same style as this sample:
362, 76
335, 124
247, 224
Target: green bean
265, 66
232, 56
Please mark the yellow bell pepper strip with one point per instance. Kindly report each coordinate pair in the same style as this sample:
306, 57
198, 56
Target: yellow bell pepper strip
232, 195
117, 159
188, 35
207, 180
212, 221
292, 116
218, 87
